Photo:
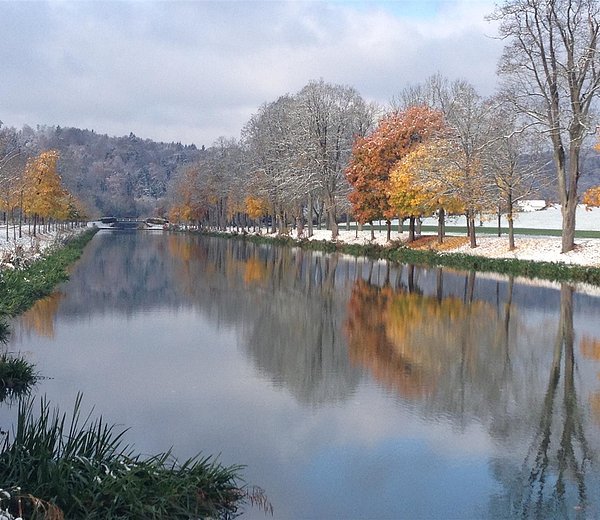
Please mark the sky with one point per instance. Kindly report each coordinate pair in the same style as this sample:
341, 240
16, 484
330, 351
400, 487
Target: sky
193, 71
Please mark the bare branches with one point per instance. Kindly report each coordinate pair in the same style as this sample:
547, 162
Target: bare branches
551, 68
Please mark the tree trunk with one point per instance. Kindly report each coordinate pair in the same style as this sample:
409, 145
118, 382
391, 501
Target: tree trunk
372, 230
511, 231
309, 215
499, 222
388, 225
411, 229
468, 224
441, 230
473, 240
332, 216
568, 223
300, 222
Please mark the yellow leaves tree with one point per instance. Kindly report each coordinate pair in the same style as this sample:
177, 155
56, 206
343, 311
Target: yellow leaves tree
591, 198
191, 199
43, 193
256, 207
422, 183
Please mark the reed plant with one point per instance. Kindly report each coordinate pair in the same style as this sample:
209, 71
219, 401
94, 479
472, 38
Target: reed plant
17, 376
4, 330
80, 467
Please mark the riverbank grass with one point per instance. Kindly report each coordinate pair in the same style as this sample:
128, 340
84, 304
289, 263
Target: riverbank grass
17, 376
21, 288
81, 468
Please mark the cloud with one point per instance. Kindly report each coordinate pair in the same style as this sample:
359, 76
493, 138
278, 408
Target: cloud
192, 71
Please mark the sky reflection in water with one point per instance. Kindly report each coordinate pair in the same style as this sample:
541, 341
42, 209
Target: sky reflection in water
350, 389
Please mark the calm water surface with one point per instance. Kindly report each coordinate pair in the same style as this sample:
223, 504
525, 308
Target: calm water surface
349, 388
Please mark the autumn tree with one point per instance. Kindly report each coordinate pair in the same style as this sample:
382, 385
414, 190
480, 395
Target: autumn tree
591, 198
189, 200
44, 195
422, 183
551, 69
374, 157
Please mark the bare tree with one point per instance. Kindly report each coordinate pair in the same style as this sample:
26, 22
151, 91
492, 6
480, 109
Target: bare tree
331, 116
276, 156
551, 65
513, 162
467, 117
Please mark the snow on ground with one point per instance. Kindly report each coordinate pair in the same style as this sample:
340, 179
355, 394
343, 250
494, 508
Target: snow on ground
547, 249
15, 250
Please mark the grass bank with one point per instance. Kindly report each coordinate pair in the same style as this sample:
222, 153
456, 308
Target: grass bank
21, 288
401, 253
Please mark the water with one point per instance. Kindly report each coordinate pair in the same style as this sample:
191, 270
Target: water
349, 388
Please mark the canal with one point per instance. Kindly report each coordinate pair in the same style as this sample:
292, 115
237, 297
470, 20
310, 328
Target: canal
349, 388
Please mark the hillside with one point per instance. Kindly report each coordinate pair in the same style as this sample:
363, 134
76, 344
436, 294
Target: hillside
127, 176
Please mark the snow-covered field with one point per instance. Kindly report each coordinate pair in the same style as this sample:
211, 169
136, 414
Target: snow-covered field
550, 218
14, 251
586, 252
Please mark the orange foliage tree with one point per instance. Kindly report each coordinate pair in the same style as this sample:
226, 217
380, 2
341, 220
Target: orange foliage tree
420, 184
374, 157
591, 198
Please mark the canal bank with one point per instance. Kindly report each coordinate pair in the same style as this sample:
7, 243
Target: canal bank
534, 256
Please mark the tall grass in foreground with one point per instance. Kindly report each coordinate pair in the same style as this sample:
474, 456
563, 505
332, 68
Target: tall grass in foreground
79, 467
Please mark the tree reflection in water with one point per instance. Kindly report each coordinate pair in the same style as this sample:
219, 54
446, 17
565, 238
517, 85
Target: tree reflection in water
412, 342
553, 477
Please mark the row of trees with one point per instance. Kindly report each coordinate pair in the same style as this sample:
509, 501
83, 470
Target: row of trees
31, 187
319, 154
441, 148
290, 163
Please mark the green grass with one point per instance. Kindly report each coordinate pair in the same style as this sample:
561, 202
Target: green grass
21, 288
80, 467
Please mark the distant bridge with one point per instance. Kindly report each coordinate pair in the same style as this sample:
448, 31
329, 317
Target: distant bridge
123, 223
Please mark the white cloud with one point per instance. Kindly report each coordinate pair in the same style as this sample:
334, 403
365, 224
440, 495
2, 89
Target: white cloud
192, 71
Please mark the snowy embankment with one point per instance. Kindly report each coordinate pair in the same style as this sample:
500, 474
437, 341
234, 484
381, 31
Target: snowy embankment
546, 249
17, 252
